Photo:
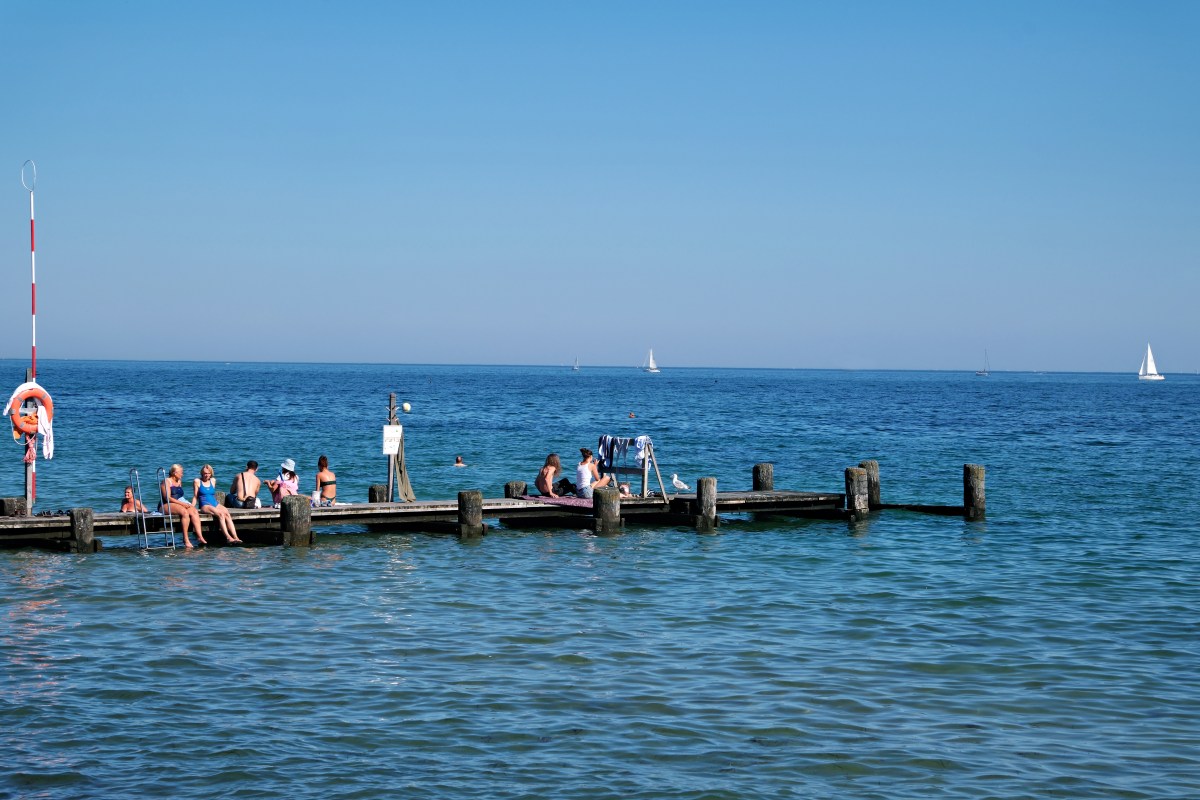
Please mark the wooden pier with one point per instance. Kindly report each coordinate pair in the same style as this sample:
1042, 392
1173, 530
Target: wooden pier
293, 524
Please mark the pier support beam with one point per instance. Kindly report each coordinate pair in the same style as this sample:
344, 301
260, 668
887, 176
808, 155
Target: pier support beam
515, 488
974, 502
856, 492
706, 504
872, 468
83, 530
295, 521
470, 514
606, 508
764, 477
376, 493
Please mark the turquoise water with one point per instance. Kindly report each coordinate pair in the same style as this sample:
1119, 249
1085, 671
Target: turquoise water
1049, 651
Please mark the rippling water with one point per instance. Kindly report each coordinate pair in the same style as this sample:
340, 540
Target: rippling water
1050, 651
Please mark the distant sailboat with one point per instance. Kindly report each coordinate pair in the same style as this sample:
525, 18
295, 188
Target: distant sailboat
1148, 372
576, 367
987, 367
650, 366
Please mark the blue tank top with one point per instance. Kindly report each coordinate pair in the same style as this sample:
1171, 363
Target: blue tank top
208, 495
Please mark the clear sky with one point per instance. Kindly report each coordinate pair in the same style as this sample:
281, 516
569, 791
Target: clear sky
793, 184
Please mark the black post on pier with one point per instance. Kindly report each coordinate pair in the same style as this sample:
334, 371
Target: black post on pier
764, 477
83, 530
470, 514
856, 492
873, 496
514, 489
974, 501
706, 504
295, 521
606, 508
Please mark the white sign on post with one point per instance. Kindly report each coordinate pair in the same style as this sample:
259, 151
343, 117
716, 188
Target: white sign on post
392, 434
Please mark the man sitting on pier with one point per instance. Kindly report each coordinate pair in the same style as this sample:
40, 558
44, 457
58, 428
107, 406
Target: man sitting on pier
243, 492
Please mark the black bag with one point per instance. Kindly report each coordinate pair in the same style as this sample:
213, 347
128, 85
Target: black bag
564, 486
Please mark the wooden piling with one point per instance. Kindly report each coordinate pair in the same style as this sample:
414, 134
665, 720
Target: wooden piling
606, 509
856, 492
470, 513
974, 501
295, 521
515, 488
872, 467
13, 507
764, 477
83, 530
376, 493
706, 504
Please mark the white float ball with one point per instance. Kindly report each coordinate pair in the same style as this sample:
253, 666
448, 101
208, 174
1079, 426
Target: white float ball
406, 407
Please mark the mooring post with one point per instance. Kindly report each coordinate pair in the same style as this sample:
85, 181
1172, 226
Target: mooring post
872, 468
706, 504
295, 521
470, 513
515, 488
764, 477
856, 492
83, 530
974, 502
606, 508
13, 507
376, 493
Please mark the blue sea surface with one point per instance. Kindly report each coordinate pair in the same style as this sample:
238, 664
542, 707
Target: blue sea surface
1050, 650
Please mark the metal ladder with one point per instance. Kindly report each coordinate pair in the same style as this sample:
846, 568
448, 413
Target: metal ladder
139, 516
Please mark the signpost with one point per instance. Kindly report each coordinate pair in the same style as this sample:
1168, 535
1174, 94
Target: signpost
29, 181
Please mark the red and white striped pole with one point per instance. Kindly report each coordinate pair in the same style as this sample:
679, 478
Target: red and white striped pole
29, 181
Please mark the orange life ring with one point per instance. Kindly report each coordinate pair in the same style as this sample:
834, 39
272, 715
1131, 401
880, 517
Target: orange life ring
29, 424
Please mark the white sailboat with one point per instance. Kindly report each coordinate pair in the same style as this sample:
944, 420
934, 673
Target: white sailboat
1148, 371
650, 366
987, 367
576, 367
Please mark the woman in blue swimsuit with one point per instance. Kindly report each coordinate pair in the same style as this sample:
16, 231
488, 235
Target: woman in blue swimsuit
204, 497
171, 493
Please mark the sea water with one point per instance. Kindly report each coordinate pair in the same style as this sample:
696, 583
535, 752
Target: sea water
1048, 651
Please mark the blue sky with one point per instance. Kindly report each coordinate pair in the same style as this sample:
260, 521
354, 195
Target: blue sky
858, 185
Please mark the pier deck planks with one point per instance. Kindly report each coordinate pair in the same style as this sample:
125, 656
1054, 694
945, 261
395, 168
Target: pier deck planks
432, 513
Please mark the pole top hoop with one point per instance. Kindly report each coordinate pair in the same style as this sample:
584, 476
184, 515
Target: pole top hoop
29, 175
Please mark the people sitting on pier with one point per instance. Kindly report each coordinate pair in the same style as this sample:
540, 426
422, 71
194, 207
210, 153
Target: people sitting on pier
172, 502
326, 484
286, 483
587, 477
131, 503
545, 479
243, 492
204, 497
625, 490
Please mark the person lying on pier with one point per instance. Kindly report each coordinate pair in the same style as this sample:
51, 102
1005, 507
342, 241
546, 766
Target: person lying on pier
243, 492
326, 484
287, 482
204, 497
545, 479
587, 477
172, 502
131, 504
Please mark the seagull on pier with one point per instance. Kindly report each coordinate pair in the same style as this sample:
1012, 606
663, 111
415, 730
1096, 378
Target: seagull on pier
678, 484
